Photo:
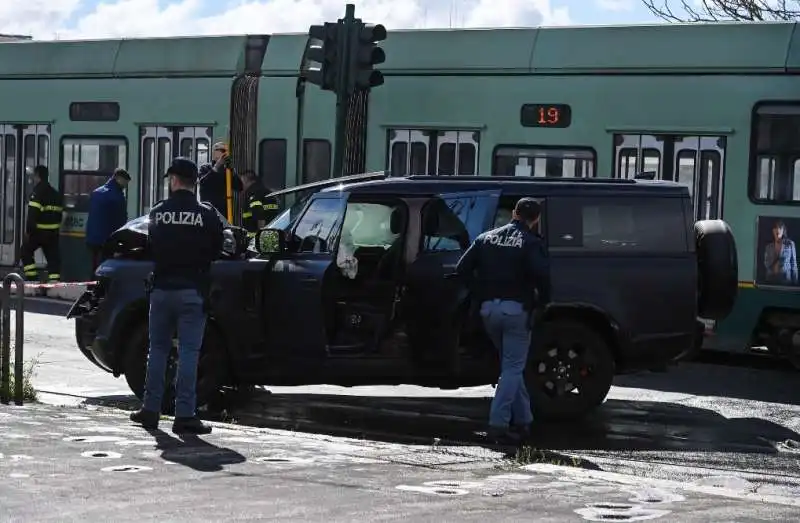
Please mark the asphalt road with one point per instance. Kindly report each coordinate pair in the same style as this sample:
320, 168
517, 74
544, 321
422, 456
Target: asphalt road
701, 424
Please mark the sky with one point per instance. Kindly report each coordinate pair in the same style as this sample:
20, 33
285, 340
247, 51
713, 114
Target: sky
87, 19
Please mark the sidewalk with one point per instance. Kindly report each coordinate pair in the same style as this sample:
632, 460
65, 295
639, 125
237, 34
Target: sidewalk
81, 464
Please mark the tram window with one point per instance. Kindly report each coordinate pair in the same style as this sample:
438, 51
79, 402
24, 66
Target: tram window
796, 177
187, 148
447, 159
776, 147
466, 159
44, 150
765, 177
543, 161
685, 169
202, 151
272, 163
9, 165
627, 160
148, 150
86, 163
400, 160
316, 160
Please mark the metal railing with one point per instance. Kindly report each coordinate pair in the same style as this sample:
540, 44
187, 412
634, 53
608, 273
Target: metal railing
19, 335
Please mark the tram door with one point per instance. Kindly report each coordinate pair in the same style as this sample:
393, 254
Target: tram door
158, 146
698, 162
22, 147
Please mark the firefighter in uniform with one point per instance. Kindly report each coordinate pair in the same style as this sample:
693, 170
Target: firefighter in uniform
258, 209
185, 236
45, 212
509, 270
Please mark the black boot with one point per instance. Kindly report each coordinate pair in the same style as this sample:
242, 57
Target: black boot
523, 431
191, 425
146, 418
502, 436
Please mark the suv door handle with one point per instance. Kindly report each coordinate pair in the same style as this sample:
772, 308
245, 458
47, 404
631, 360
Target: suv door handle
309, 279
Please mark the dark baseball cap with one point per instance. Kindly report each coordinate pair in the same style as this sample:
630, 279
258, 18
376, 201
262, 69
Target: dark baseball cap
528, 209
183, 167
123, 173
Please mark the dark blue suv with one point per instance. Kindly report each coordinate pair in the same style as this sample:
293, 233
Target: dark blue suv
350, 286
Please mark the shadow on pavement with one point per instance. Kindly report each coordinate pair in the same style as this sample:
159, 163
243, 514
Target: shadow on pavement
779, 384
617, 425
643, 427
195, 453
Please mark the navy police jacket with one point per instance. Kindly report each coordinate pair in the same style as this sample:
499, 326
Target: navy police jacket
185, 236
507, 263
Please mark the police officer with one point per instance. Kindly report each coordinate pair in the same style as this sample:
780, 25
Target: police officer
506, 268
45, 212
185, 237
259, 209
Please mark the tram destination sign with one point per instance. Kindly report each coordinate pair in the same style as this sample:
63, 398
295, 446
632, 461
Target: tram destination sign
546, 115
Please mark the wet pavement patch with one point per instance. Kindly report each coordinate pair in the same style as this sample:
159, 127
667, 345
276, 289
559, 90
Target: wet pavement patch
93, 439
101, 454
126, 468
282, 459
619, 512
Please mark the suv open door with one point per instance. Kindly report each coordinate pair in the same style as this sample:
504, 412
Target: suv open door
450, 222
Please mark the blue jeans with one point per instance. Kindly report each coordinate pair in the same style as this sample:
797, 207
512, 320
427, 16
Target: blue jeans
506, 324
171, 311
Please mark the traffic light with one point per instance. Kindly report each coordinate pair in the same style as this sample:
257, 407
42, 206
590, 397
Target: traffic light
365, 54
321, 64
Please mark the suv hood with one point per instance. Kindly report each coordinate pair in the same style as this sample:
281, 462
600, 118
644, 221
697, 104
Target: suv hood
130, 240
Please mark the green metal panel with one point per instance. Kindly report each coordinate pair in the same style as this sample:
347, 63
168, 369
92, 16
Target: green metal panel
57, 59
793, 54
668, 48
283, 54
209, 56
471, 50
201, 56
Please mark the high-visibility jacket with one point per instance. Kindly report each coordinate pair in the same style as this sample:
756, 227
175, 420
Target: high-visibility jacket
257, 207
45, 209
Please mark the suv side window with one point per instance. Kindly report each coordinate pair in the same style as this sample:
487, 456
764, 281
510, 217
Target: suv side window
317, 229
616, 223
450, 224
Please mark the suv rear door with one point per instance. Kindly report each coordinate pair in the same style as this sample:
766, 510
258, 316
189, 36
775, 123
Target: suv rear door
450, 222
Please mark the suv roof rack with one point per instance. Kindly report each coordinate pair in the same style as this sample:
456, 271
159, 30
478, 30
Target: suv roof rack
519, 179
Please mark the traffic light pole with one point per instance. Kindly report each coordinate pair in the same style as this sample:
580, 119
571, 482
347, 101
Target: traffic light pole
342, 92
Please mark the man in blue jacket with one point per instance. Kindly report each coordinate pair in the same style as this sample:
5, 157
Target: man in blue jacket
107, 213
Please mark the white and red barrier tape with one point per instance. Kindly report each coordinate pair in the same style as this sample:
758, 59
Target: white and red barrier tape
55, 285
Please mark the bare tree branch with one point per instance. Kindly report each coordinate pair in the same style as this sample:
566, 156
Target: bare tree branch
722, 10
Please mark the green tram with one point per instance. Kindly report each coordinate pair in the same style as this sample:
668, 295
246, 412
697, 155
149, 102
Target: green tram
716, 107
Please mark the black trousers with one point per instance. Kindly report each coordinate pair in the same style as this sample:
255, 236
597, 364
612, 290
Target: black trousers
48, 241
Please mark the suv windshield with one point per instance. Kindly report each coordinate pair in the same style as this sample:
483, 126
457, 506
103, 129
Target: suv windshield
285, 219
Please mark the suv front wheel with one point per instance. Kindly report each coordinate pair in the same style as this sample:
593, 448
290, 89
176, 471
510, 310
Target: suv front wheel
570, 370
210, 369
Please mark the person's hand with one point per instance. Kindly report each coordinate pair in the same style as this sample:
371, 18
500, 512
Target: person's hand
221, 161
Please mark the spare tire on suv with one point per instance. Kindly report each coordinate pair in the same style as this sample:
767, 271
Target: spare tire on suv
717, 269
